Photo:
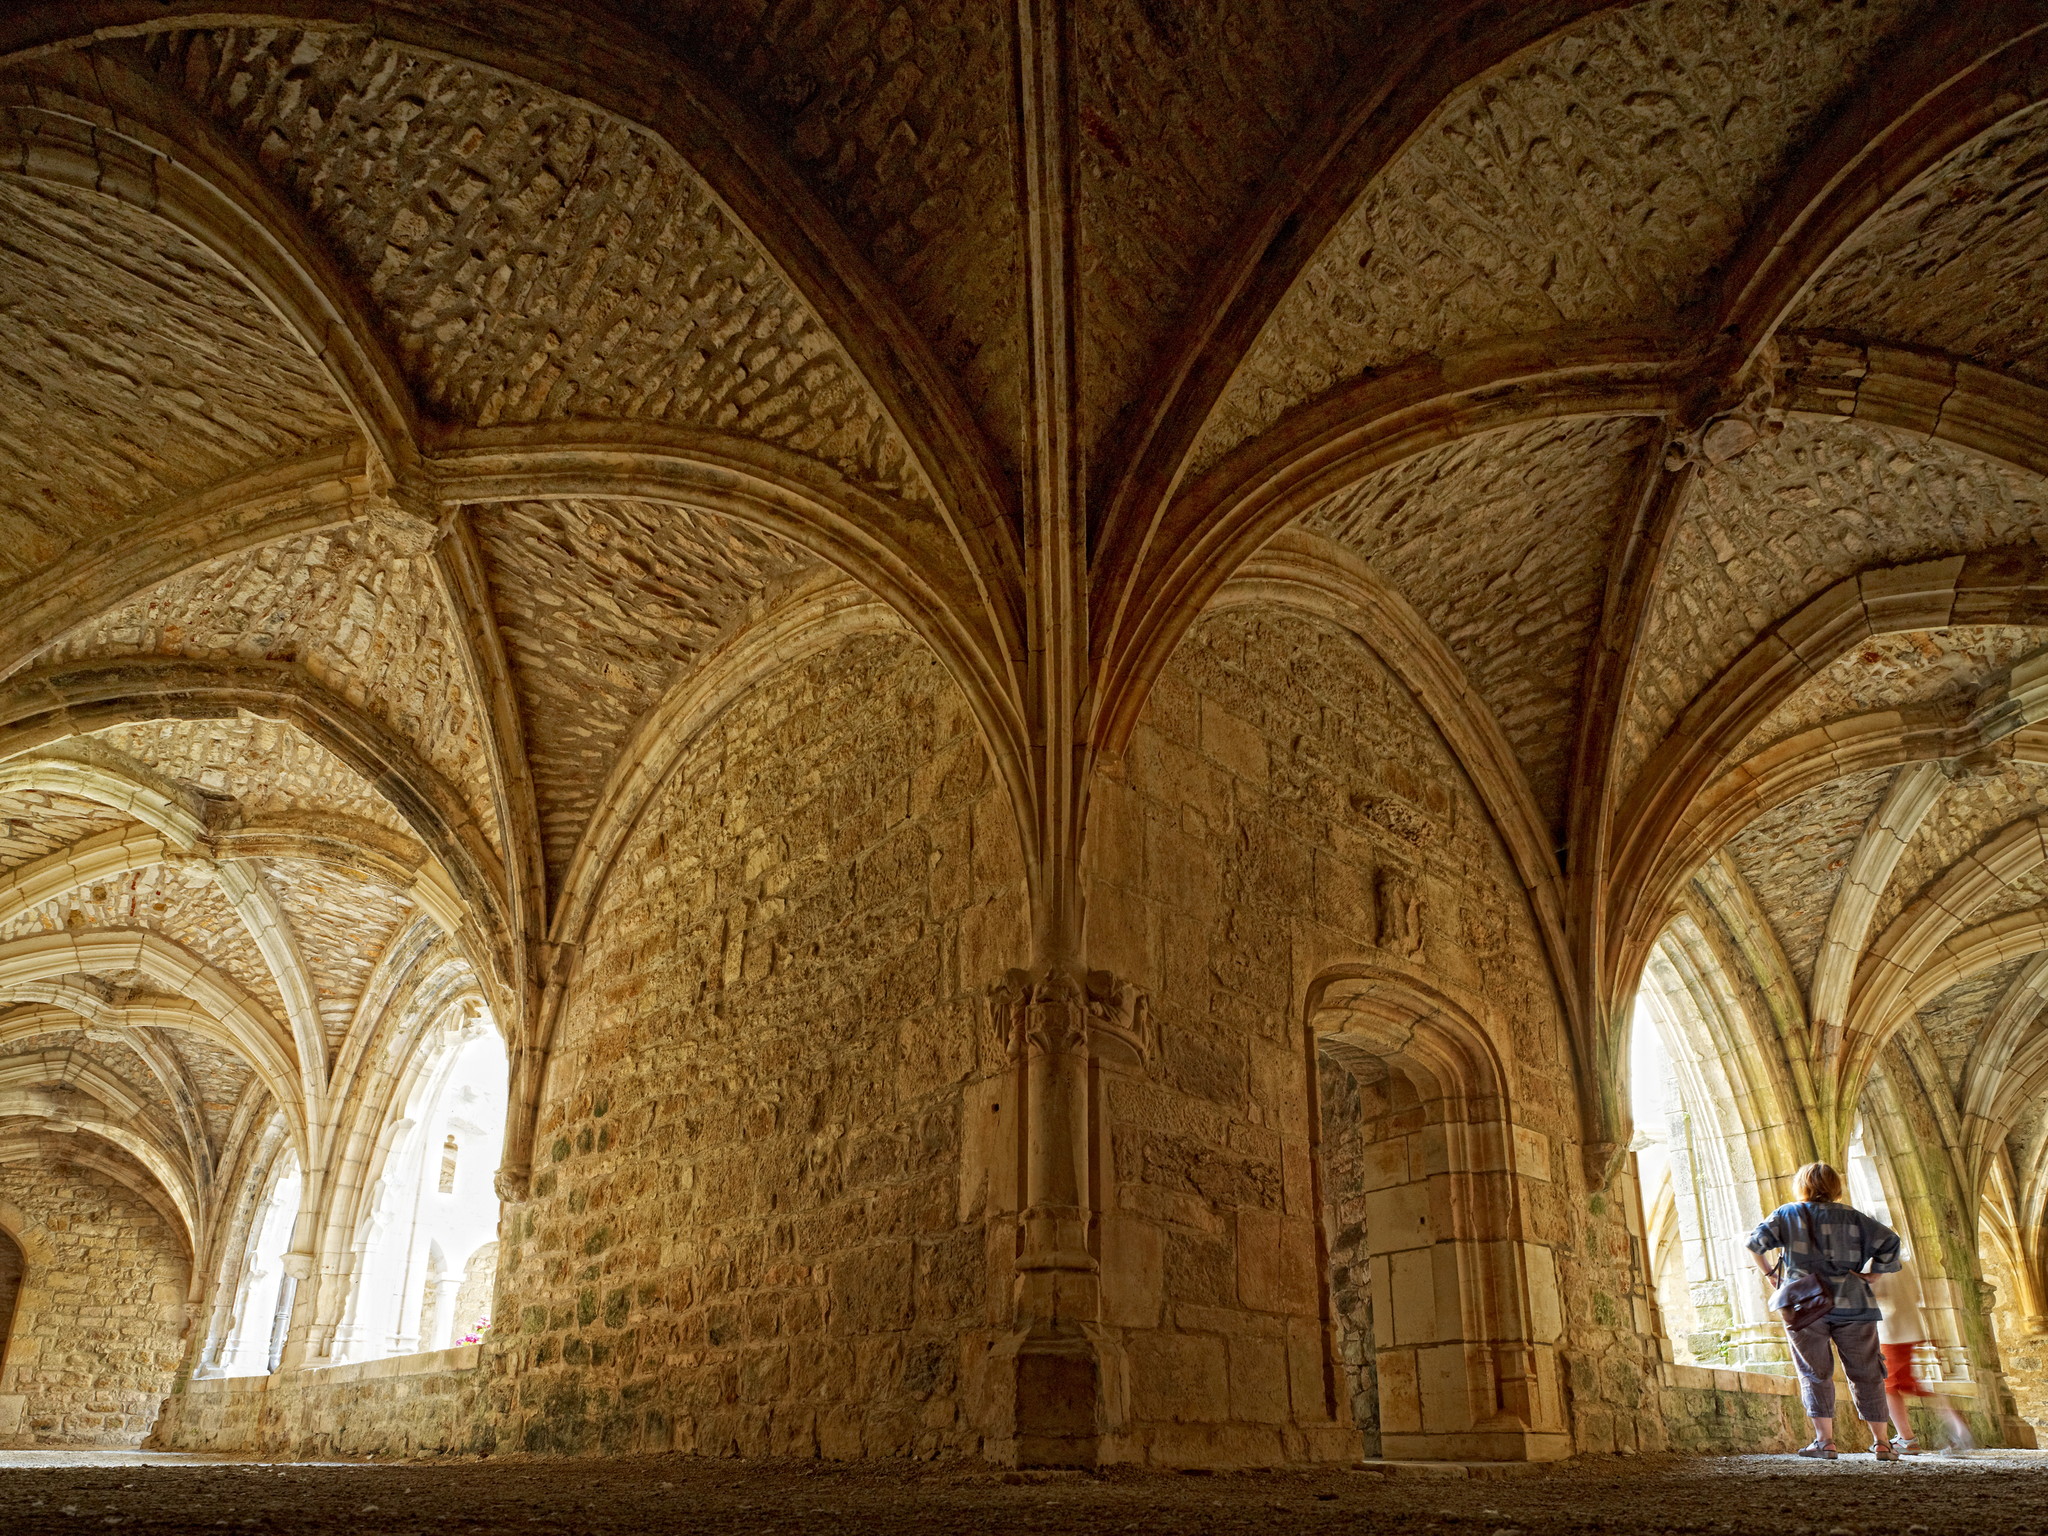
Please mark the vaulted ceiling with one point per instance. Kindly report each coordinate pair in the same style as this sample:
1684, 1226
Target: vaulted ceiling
403, 410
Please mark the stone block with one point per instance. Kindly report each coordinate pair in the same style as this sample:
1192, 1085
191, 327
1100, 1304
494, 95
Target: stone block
870, 1288
1259, 1261
1546, 1303
1399, 1217
1233, 744
1179, 1378
1259, 1379
1310, 1387
1133, 1257
1411, 1293
1400, 1392
1385, 1163
1301, 1279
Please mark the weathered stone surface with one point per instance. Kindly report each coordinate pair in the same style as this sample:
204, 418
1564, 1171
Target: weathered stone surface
35, 823
342, 923
222, 1078
365, 621
97, 1331
425, 1409
1955, 1019
1957, 260
900, 118
146, 357
781, 994
1794, 858
1919, 667
268, 767
1593, 180
1253, 843
1508, 570
1962, 820
605, 606
532, 259
1763, 533
1185, 111
1303, 1115
179, 901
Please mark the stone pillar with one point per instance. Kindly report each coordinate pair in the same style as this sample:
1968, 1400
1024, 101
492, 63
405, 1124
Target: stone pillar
1060, 1026
297, 1311
440, 1309
1058, 1377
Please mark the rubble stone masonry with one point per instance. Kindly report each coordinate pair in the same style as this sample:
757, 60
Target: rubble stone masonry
98, 1329
749, 1233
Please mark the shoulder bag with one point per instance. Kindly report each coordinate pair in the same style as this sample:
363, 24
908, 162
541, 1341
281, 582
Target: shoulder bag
1805, 1297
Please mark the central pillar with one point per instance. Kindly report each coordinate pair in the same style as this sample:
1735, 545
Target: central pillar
1058, 1381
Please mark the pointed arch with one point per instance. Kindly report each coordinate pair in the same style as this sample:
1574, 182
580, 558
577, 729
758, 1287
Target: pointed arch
1481, 1306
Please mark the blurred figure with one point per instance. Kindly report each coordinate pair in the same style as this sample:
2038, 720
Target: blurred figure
1904, 1326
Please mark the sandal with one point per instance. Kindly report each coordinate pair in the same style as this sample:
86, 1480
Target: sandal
1882, 1450
1820, 1450
1906, 1447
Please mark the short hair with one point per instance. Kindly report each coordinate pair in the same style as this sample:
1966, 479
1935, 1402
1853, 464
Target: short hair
1818, 1181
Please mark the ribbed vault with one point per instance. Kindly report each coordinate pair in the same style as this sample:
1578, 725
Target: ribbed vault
423, 437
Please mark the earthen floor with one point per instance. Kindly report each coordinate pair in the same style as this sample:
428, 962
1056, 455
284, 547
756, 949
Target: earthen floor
2004, 1492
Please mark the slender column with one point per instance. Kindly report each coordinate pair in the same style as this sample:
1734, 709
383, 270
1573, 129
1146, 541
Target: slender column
1056, 1281
1058, 1389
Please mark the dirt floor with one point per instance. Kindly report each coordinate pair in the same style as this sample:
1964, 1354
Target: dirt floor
2005, 1492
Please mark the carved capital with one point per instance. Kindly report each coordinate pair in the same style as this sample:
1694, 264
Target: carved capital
1060, 1010
1121, 1025
299, 1265
514, 1184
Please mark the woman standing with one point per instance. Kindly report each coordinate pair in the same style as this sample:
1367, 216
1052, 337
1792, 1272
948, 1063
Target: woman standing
1831, 1243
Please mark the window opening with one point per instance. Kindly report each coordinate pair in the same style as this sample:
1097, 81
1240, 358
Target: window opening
427, 1245
1700, 1194
263, 1306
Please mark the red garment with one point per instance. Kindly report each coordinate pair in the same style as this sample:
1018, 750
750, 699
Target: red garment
1898, 1371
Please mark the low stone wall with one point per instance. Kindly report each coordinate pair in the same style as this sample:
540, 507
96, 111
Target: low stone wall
1720, 1412
408, 1405
431, 1405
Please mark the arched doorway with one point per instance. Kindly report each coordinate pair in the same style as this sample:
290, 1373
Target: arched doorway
1442, 1335
13, 1265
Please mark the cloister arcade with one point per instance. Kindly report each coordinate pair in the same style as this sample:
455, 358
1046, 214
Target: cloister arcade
1197, 734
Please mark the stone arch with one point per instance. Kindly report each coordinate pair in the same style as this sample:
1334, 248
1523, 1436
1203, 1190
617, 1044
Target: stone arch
34, 1256
13, 1268
1465, 1325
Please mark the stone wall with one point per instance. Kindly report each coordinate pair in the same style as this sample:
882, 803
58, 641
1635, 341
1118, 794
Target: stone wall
748, 1233
774, 1212
409, 1405
98, 1324
1285, 806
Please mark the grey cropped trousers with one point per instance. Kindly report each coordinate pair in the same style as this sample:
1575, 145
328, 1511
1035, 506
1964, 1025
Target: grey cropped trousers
1813, 1355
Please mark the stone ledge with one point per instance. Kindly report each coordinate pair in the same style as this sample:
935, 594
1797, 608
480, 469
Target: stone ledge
463, 1357
1717, 1379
